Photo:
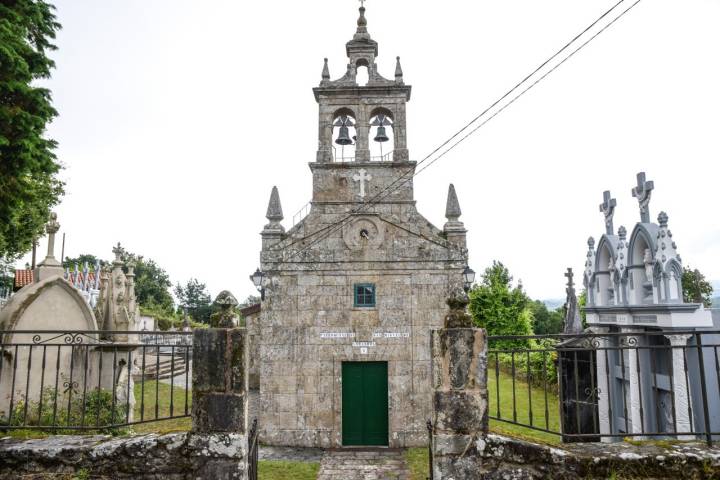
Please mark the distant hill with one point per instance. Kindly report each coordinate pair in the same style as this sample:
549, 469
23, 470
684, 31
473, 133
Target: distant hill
554, 303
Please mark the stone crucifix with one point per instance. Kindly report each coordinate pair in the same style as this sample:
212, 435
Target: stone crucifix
607, 208
52, 228
362, 177
642, 192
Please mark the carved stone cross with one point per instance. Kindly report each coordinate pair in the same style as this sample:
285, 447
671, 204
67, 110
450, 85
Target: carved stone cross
642, 192
570, 275
362, 177
607, 208
362, 3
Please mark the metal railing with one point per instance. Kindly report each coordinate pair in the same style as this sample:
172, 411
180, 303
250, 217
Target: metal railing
253, 451
590, 387
93, 380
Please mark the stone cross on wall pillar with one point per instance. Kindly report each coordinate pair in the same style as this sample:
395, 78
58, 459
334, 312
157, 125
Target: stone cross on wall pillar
50, 265
607, 208
362, 177
52, 228
642, 192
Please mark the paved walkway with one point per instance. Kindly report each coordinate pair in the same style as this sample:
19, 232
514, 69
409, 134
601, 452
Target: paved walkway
377, 464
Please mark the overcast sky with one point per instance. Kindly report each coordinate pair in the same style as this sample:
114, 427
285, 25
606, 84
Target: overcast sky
178, 117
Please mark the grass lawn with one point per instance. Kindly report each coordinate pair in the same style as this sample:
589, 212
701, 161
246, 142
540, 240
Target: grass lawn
279, 470
522, 409
417, 460
163, 403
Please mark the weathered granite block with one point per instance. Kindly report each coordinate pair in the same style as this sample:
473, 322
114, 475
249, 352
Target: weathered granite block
459, 412
219, 412
459, 361
220, 380
209, 359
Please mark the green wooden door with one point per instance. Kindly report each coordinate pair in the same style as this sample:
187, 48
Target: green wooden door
365, 403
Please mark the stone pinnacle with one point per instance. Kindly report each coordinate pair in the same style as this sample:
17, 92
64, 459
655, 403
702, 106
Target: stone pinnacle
452, 210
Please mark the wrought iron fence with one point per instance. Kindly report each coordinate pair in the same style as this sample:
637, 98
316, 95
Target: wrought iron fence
93, 380
608, 386
253, 451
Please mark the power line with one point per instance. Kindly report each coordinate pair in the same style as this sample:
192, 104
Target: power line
329, 229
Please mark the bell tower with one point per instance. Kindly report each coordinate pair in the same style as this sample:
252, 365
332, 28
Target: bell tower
358, 116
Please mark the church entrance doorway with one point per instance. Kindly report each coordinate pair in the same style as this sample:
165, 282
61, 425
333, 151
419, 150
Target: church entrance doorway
365, 403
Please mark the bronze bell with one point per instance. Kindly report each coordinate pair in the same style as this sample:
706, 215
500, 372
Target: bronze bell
344, 137
381, 136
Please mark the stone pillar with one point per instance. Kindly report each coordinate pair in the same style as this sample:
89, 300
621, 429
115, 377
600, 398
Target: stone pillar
604, 383
682, 395
634, 380
460, 421
220, 398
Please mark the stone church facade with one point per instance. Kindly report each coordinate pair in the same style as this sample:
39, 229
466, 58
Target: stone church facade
352, 291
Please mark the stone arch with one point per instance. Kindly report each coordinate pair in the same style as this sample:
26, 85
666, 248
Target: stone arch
604, 259
51, 304
642, 244
56, 293
343, 153
381, 151
673, 276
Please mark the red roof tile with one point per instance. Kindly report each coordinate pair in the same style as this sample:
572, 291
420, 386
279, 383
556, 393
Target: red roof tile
23, 277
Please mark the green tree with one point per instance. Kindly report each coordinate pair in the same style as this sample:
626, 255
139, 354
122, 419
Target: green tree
498, 306
29, 186
545, 321
696, 289
195, 298
152, 283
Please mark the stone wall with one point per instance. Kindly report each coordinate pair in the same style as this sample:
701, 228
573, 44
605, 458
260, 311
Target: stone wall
177, 456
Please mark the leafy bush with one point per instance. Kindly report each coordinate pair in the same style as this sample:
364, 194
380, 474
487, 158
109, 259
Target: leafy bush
52, 412
541, 366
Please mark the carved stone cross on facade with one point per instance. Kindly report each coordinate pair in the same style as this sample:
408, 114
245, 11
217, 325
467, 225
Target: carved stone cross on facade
362, 177
642, 192
607, 208
362, 3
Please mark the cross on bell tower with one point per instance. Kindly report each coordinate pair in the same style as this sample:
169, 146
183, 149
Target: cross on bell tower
642, 192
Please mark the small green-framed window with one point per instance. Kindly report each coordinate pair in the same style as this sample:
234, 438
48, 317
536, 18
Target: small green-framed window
364, 295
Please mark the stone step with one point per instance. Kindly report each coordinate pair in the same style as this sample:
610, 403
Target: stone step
358, 464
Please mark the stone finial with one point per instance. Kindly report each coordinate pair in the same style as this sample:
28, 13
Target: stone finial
622, 232
326, 72
458, 317
573, 323
643, 192
663, 219
398, 71
118, 251
607, 208
362, 32
452, 209
591, 243
274, 210
227, 302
